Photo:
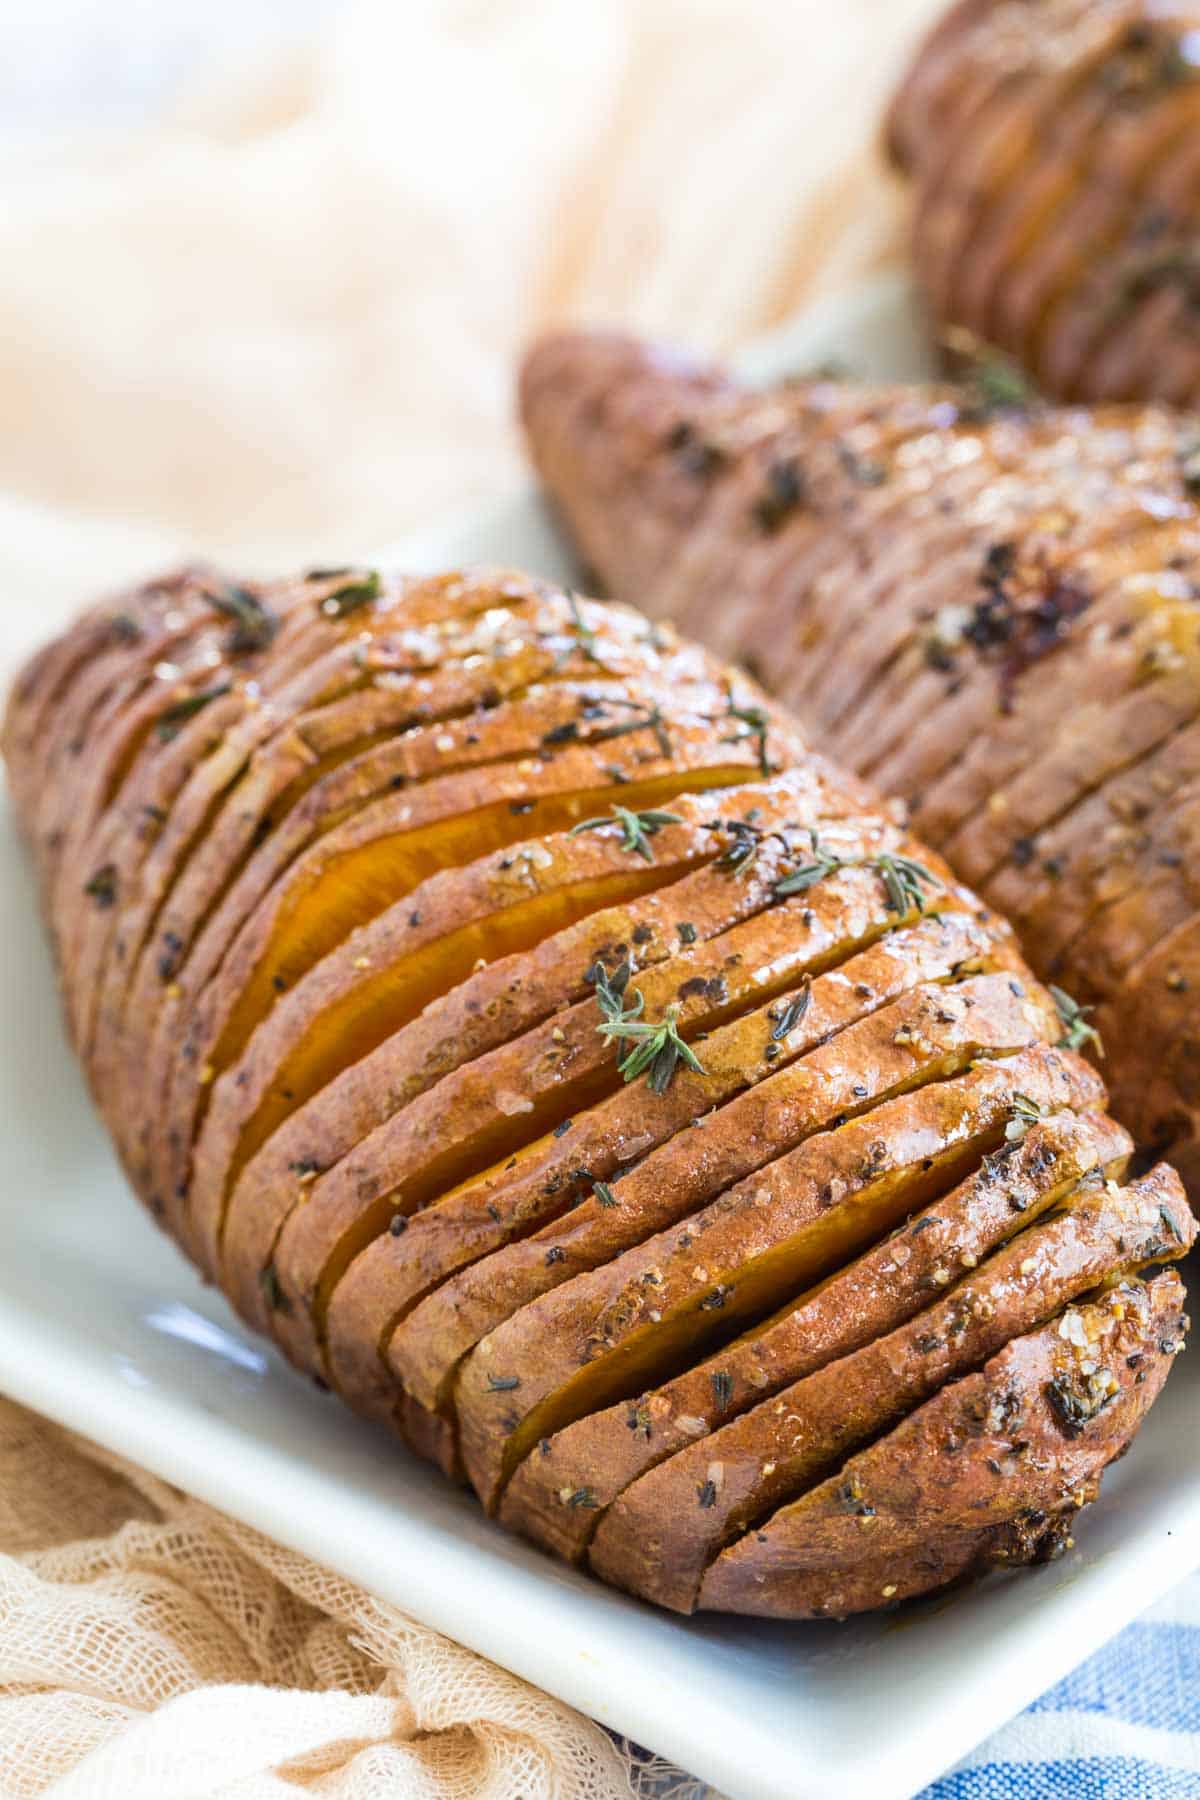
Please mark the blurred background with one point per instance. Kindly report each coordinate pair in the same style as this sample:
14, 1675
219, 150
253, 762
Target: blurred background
267, 264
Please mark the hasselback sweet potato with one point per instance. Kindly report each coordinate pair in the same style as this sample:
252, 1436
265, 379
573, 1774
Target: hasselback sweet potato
980, 602
1055, 211
500, 1001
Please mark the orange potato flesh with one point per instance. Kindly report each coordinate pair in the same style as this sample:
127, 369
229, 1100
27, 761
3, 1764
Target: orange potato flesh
362, 882
488, 886
697, 903
663, 1350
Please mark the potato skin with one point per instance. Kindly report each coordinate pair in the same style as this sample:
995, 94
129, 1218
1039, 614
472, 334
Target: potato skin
501, 1001
949, 1490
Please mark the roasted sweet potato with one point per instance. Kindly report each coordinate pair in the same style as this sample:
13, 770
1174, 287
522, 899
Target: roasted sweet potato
528, 1032
1059, 222
980, 602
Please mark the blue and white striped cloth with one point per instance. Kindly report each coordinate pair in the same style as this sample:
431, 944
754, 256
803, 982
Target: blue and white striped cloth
1124, 1726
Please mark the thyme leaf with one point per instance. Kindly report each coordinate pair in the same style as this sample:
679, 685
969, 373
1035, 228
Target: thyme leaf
807, 874
744, 845
755, 723
1076, 1030
637, 828
581, 630
793, 1012
1023, 1112
646, 718
904, 882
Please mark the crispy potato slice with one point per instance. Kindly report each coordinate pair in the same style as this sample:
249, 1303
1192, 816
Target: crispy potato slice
346, 786
857, 1011
690, 899
873, 1295
502, 735
607, 1334
363, 994
974, 1478
722, 1484
518, 1093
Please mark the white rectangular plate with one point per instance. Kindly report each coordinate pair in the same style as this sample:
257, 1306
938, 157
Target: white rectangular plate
103, 1327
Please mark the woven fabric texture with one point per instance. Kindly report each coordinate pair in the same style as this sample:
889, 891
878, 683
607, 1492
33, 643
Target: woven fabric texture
152, 1649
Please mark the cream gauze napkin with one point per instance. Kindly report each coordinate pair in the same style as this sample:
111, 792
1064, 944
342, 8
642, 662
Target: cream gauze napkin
281, 327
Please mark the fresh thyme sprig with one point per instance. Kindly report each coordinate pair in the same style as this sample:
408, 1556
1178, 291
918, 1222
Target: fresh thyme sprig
904, 879
610, 990
1076, 1030
648, 718
904, 882
582, 631
793, 1012
637, 828
807, 874
656, 1050
755, 723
